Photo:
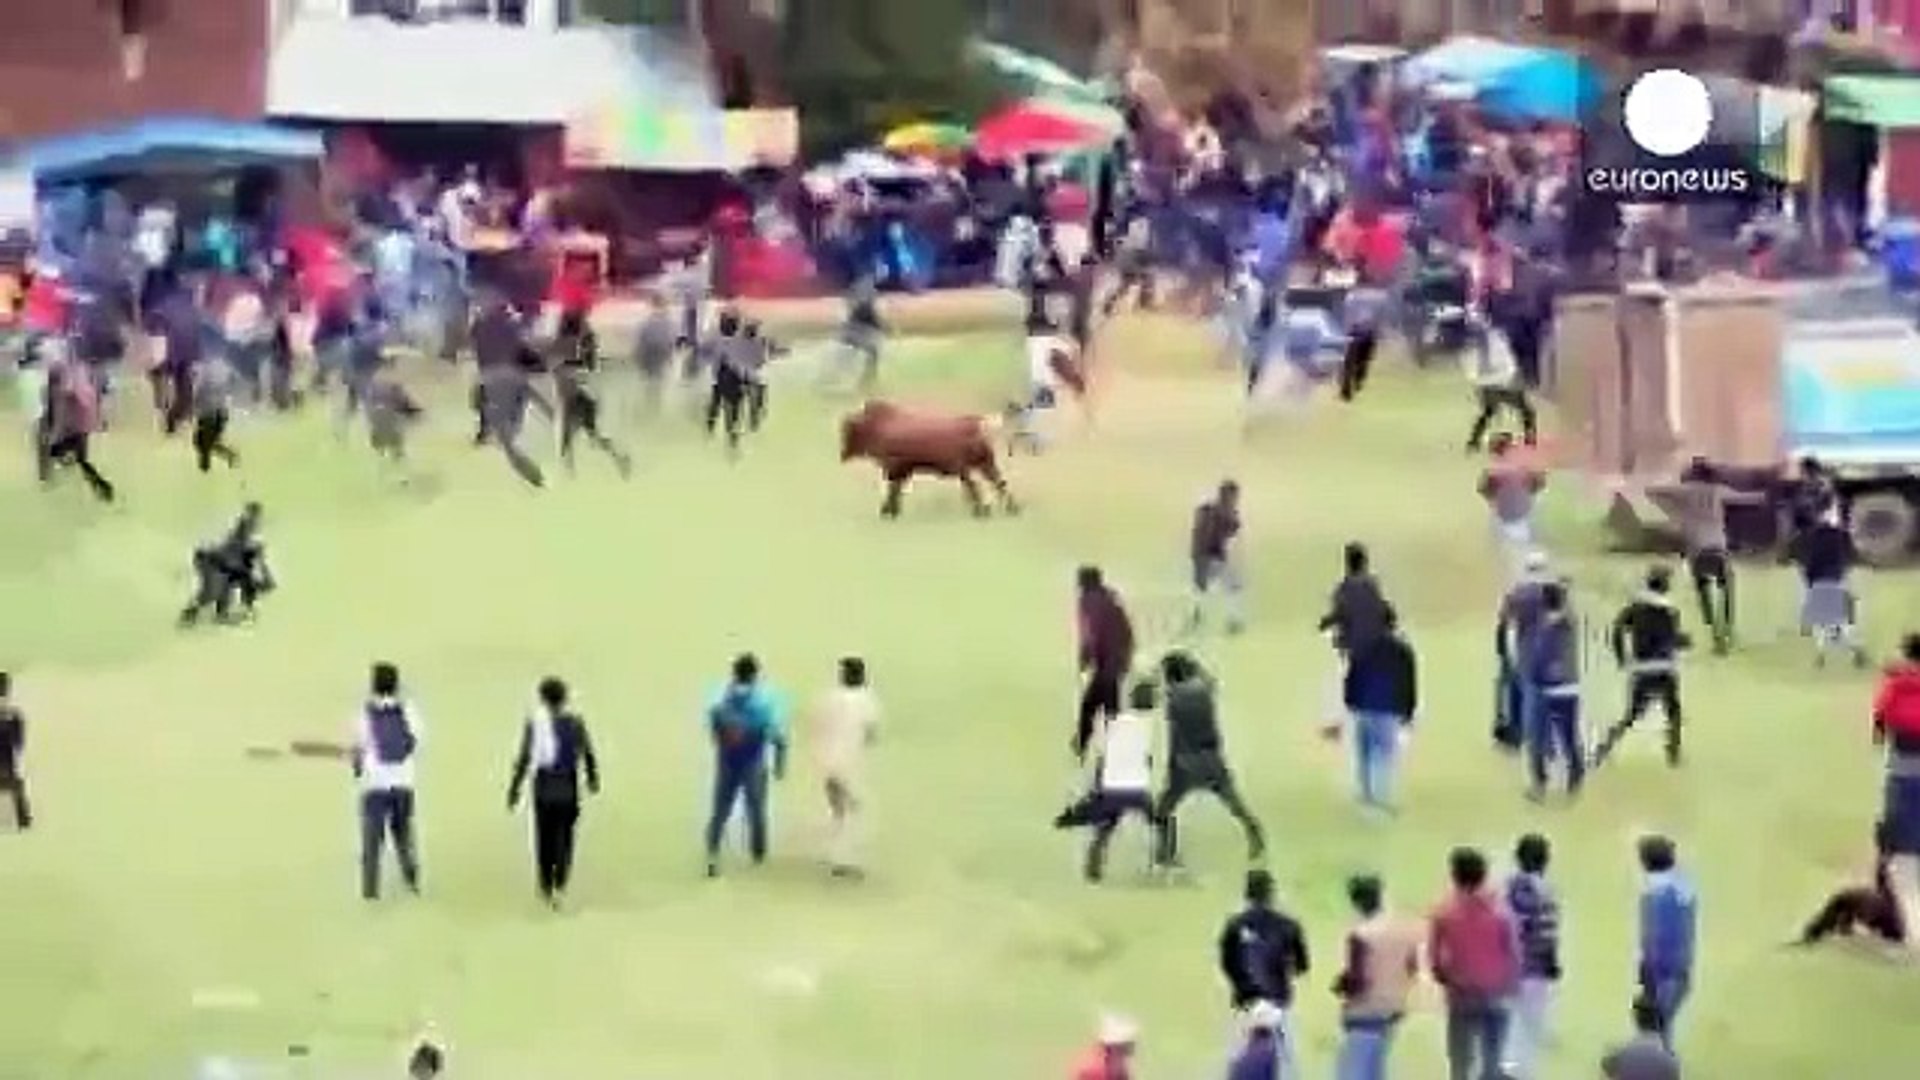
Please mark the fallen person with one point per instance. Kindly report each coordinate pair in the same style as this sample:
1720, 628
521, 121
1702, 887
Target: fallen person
1873, 907
233, 569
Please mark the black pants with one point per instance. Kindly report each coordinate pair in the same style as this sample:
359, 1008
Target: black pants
15, 786
1712, 571
756, 404
175, 391
554, 824
1857, 908
1527, 338
1206, 772
1644, 689
1109, 809
1492, 400
72, 450
729, 400
218, 583
1138, 282
1357, 362
580, 415
210, 440
384, 814
1099, 698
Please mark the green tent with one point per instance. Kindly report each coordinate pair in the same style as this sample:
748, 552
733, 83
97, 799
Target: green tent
1882, 101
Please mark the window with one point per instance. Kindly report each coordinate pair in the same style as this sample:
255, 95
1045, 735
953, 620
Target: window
430, 11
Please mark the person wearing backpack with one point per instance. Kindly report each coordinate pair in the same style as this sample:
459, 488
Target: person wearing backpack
744, 721
386, 737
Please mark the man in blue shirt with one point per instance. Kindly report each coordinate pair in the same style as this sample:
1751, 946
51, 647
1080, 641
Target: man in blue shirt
1668, 915
745, 723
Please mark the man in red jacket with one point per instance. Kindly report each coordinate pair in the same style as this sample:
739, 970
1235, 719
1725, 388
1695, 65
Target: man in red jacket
1475, 953
1896, 725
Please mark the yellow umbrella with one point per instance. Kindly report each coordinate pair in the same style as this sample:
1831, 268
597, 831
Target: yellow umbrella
926, 137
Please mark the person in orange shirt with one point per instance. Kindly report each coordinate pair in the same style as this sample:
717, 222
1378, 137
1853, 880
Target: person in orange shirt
1111, 1056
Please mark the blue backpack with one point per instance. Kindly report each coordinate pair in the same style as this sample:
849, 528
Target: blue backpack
392, 737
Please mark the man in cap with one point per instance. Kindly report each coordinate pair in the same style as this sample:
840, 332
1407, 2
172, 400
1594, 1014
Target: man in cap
1520, 613
1111, 1055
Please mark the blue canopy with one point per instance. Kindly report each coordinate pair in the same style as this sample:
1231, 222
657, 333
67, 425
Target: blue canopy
1517, 82
167, 145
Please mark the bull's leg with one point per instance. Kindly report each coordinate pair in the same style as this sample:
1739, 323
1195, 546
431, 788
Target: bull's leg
991, 470
896, 487
972, 486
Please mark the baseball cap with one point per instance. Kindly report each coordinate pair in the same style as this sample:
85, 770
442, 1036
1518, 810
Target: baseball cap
1117, 1030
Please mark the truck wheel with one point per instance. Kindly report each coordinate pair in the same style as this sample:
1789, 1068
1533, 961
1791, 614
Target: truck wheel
1885, 526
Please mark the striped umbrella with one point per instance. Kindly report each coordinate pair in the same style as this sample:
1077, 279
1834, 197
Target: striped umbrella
1041, 126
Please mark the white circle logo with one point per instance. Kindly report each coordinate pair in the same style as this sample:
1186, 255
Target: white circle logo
1668, 112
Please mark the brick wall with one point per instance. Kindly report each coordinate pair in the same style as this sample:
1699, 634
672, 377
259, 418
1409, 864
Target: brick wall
64, 67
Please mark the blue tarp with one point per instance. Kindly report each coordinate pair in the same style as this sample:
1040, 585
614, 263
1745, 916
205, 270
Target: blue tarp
167, 145
1513, 81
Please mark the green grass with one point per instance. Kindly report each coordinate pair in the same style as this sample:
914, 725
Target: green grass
170, 863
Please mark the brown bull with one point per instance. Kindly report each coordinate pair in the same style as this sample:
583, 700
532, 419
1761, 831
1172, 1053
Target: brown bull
904, 441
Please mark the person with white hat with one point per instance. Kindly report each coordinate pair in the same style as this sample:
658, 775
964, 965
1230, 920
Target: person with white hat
1111, 1055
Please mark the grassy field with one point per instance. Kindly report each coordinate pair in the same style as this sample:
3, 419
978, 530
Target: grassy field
182, 900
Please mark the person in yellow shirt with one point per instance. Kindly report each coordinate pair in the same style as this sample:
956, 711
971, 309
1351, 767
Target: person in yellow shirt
846, 724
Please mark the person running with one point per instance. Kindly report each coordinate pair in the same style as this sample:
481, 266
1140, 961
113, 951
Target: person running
213, 387
1213, 548
1497, 386
862, 331
1647, 641
1703, 521
1122, 775
847, 724
1825, 554
391, 411
734, 372
1511, 486
555, 748
578, 396
653, 353
1197, 759
749, 742
1106, 652
67, 426
13, 750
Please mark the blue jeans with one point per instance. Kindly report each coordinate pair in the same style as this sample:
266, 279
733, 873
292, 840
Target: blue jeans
1667, 996
1364, 1050
1376, 746
1476, 1034
738, 778
1555, 728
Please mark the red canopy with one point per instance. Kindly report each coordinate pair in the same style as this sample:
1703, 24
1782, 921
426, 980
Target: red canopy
1032, 128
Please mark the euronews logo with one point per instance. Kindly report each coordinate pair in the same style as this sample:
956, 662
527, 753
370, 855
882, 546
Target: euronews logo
1681, 144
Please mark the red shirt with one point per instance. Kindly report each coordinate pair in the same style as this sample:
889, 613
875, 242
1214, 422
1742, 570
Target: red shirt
1473, 947
1896, 706
1097, 1064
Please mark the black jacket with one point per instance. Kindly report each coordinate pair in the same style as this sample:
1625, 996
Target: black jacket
1382, 677
1356, 613
1261, 952
1647, 635
559, 781
1824, 553
13, 739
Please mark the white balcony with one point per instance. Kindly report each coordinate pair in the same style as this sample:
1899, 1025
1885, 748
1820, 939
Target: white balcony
470, 61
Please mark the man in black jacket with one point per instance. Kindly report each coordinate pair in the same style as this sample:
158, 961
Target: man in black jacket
1647, 642
1825, 554
1381, 692
13, 743
1262, 951
555, 747
233, 569
1197, 759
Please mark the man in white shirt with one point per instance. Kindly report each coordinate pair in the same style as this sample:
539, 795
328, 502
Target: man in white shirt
386, 735
1123, 773
847, 723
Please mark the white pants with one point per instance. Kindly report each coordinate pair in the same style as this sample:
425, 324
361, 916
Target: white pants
1516, 543
1289, 1063
1528, 1028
